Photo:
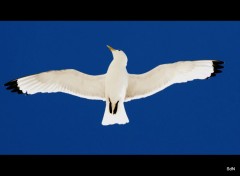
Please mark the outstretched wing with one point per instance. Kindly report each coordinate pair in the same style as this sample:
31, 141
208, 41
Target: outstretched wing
157, 79
67, 81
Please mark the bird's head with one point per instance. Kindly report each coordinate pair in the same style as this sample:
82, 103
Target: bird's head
118, 56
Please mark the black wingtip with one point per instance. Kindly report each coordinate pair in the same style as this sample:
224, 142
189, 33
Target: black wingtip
218, 62
13, 86
217, 66
9, 83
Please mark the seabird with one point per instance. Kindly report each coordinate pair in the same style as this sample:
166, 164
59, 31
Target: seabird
117, 86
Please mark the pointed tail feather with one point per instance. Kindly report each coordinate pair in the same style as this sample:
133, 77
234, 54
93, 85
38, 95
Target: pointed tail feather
119, 118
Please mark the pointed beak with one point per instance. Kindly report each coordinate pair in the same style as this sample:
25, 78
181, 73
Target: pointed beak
111, 49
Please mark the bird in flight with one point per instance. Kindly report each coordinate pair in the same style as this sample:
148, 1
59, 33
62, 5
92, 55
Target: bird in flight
117, 86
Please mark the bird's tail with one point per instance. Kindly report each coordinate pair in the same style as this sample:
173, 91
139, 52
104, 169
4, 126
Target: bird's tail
114, 114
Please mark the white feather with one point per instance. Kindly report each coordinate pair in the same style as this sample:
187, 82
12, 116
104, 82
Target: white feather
162, 76
67, 81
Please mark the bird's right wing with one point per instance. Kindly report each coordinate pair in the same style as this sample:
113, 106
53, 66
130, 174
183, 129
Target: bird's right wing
157, 79
67, 81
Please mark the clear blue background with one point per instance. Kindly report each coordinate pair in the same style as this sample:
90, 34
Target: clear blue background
198, 117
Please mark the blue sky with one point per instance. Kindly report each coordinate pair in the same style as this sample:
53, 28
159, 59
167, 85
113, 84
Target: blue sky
198, 117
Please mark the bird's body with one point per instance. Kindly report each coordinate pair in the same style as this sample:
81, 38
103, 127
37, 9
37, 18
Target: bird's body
117, 85
116, 82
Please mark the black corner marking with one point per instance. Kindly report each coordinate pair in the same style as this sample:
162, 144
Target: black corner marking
115, 108
13, 86
217, 66
110, 106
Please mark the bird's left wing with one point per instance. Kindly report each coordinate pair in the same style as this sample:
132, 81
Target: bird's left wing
67, 81
162, 76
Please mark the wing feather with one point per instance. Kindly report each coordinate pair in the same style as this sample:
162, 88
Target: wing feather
67, 81
162, 76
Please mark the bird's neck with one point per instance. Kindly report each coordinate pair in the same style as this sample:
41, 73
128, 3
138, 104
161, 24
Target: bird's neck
117, 67
119, 63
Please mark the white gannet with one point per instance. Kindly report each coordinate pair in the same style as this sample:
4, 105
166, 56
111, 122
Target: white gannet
117, 85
